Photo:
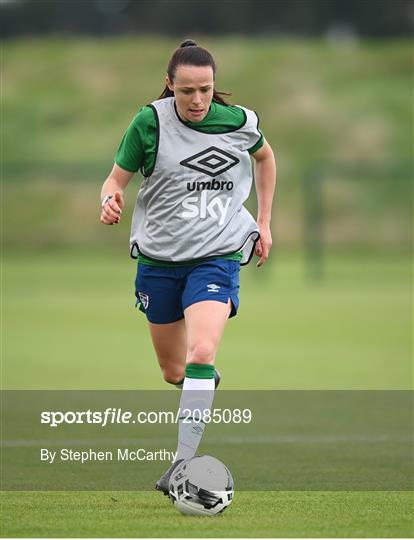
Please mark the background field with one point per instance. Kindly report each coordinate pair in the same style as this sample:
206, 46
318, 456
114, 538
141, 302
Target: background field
340, 111
336, 111
70, 323
338, 115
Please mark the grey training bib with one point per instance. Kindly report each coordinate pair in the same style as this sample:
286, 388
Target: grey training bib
191, 207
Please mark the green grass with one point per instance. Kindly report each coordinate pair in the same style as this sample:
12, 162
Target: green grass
252, 514
68, 317
316, 100
331, 107
70, 322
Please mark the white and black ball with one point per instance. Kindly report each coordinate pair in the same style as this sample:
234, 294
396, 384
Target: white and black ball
201, 486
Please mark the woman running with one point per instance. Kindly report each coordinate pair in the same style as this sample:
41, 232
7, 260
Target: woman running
190, 231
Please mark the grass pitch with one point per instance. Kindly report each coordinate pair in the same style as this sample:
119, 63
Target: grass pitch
69, 320
252, 514
70, 324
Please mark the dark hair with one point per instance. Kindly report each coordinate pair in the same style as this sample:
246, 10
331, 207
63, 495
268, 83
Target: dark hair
190, 54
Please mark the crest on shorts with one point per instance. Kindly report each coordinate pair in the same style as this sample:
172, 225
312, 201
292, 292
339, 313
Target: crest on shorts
144, 298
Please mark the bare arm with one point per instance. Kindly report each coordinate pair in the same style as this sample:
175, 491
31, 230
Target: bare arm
114, 186
265, 177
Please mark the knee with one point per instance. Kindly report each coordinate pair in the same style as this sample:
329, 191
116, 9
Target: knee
173, 376
201, 353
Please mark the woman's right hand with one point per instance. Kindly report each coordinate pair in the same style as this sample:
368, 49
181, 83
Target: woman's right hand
112, 209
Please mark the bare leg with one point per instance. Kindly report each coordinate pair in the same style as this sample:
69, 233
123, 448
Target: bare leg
205, 322
169, 342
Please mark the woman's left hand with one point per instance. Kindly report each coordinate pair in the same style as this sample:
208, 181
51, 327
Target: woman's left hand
263, 245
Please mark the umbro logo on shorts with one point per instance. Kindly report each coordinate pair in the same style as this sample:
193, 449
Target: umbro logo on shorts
212, 287
211, 161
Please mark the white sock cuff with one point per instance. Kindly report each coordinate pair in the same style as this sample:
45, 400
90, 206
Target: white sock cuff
198, 384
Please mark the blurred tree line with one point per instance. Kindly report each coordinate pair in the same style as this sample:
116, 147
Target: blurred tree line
368, 18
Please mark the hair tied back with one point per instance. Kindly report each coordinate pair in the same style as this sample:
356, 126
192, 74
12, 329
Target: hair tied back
188, 53
188, 43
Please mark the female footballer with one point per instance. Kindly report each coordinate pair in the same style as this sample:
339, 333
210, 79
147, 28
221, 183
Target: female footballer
190, 231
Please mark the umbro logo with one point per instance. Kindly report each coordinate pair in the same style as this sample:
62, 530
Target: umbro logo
197, 430
211, 161
212, 287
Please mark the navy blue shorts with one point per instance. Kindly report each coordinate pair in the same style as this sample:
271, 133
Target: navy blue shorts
164, 293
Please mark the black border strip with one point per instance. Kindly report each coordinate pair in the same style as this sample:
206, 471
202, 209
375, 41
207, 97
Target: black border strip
134, 246
260, 134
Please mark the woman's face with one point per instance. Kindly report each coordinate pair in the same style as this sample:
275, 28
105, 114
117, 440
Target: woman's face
193, 90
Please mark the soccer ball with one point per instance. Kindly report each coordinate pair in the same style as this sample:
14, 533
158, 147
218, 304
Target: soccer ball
201, 486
